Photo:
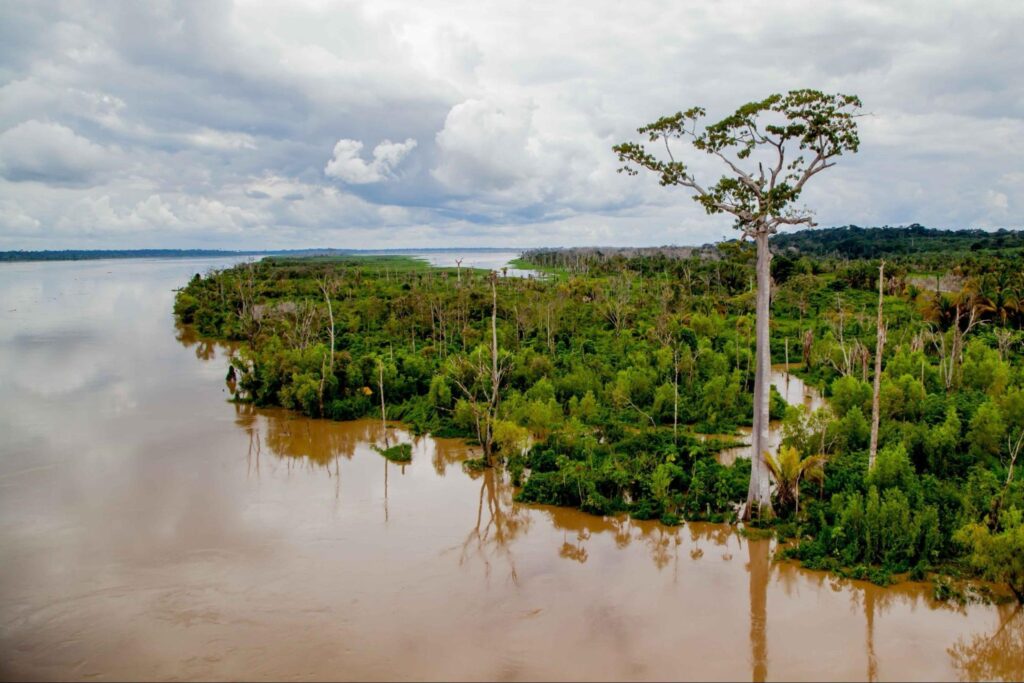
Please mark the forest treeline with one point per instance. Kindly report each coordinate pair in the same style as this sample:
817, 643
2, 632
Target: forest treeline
848, 242
854, 242
597, 386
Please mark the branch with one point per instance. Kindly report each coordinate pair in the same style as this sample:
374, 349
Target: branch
745, 178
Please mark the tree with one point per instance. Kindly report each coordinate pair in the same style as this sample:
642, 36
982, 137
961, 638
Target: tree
327, 288
877, 389
479, 376
788, 468
383, 407
998, 556
771, 149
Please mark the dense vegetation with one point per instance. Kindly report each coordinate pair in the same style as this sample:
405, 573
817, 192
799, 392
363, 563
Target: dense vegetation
608, 371
853, 242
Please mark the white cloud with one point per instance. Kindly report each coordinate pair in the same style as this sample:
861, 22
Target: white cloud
997, 200
36, 150
507, 154
105, 215
224, 113
348, 165
216, 139
14, 220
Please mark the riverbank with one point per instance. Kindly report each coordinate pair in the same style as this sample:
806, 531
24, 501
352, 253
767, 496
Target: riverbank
160, 531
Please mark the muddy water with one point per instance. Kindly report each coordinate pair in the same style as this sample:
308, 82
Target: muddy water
796, 392
150, 529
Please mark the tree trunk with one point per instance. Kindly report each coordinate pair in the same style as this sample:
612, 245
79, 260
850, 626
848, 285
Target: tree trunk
759, 494
327, 287
383, 409
494, 337
675, 399
495, 377
875, 401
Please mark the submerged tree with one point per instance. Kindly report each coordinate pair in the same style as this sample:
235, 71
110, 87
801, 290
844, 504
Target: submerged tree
480, 376
771, 149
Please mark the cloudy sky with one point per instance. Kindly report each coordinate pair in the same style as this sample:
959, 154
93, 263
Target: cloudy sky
450, 123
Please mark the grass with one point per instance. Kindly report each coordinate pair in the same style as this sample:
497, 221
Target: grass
368, 262
524, 264
401, 452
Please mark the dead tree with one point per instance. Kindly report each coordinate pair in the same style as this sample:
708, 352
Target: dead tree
875, 400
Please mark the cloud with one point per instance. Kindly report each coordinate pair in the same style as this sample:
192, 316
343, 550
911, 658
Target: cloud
348, 166
215, 139
155, 214
515, 156
14, 220
248, 124
49, 152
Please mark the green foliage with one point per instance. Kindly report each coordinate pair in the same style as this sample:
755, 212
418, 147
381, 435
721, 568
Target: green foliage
598, 400
848, 393
877, 529
986, 432
401, 452
999, 555
893, 470
852, 432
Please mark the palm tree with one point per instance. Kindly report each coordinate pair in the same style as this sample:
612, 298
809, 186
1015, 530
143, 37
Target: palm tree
996, 296
788, 468
939, 309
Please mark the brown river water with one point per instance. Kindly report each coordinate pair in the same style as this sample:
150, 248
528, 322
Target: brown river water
149, 529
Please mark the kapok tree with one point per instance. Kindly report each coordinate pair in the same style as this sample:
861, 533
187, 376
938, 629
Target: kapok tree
770, 149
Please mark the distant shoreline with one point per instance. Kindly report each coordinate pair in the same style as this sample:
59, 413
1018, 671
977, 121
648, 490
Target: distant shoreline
21, 256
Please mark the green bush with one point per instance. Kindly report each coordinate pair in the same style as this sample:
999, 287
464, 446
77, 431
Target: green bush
401, 452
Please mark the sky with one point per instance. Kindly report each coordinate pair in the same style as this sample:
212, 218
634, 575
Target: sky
351, 124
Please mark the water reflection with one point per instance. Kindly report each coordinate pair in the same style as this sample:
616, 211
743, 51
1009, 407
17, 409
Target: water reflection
872, 601
154, 529
759, 567
996, 656
498, 522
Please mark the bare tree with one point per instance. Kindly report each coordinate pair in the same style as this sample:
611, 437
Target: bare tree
1004, 340
808, 346
383, 409
875, 397
327, 287
771, 149
302, 323
248, 311
615, 299
965, 319
479, 377
495, 376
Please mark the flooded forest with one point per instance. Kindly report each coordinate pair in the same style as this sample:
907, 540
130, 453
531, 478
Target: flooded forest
611, 384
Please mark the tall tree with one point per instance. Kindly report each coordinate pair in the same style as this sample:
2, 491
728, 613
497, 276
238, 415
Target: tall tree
479, 376
771, 148
327, 287
877, 389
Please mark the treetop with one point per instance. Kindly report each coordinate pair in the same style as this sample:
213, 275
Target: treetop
771, 147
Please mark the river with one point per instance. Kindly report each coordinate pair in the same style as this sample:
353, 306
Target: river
150, 529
